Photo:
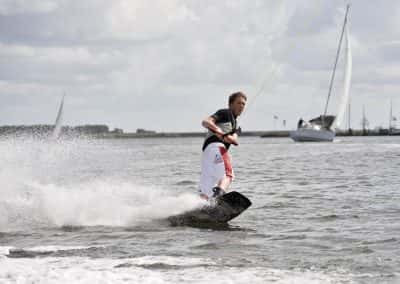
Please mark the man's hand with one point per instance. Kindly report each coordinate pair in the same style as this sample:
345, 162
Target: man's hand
231, 139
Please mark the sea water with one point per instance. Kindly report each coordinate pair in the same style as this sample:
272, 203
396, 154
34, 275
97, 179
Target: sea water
93, 211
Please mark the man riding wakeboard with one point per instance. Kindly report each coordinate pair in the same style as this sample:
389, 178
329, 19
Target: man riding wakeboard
216, 167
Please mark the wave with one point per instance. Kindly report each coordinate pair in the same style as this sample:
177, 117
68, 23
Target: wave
94, 203
52, 251
46, 184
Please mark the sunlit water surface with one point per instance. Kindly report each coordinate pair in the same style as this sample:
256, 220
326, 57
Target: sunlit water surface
93, 211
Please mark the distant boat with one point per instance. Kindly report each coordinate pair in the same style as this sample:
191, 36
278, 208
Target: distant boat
59, 120
322, 128
392, 119
316, 130
394, 131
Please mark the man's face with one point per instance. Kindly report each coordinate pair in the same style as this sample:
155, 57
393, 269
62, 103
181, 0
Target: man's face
237, 106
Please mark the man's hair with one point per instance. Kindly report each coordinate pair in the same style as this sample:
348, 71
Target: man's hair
236, 95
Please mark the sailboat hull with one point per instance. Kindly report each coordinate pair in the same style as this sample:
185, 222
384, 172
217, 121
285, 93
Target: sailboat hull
312, 135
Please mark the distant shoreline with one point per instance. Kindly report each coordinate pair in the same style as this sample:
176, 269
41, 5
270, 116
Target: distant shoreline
261, 134
173, 134
103, 131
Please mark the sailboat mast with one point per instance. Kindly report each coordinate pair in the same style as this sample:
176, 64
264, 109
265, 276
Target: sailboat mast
58, 122
390, 117
349, 117
364, 121
336, 60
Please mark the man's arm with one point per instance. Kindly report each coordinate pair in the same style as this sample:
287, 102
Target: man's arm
231, 139
209, 123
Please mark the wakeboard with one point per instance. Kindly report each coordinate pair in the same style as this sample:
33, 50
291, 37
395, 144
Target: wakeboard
225, 208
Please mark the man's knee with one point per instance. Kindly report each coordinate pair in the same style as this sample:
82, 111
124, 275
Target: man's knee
228, 178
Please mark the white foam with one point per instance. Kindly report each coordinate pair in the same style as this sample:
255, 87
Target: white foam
5, 250
170, 260
34, 194
85, 270
110, 203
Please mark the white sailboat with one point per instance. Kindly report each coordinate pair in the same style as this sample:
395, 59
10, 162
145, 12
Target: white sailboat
59, 120
323, 127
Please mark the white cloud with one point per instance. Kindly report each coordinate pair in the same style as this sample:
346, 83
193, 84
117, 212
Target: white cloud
13, 7
126, 62
142, 20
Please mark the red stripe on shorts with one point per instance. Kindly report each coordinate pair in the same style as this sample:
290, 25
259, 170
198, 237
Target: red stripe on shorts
227, 161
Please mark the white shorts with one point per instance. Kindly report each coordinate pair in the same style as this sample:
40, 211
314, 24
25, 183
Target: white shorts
215, 165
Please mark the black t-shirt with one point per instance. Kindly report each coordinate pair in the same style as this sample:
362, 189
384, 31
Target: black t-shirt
225, 120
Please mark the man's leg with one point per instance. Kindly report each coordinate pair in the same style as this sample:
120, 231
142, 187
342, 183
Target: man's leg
227, 176
216, 171
208, 179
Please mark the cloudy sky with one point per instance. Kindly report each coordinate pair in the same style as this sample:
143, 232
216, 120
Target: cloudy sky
166, 64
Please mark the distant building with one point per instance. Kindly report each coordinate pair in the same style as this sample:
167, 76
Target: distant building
92, 129
117, 131
144, 131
